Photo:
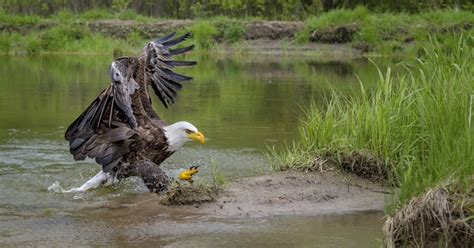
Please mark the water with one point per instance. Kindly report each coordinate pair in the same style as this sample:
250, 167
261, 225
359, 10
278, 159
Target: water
241, 103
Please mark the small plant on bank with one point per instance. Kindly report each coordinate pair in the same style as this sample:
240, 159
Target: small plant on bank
218, 178
5, 43
32, 45
204, 33
232, 30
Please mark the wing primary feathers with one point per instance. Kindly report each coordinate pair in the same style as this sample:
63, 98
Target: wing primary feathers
175, 76
159, 64
166, 38
175, 85
159, 93
169, 92
110, 114
174, 63
176, 41
181, 50
103, 107
84, 120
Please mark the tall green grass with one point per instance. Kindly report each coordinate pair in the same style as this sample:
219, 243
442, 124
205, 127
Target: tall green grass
419, 121
6, 18
204, 33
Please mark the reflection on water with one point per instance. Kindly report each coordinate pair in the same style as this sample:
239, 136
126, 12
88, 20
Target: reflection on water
241, 103
237, 101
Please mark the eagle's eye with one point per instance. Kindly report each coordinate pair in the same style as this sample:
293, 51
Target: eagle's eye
188, 131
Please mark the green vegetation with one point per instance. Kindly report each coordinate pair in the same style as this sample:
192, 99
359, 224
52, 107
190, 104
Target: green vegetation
218, 178
372, 33
441, 217
387, 32
419, 122
187, 194
68, 34
207, 33
204, 33
185, 9
56, 40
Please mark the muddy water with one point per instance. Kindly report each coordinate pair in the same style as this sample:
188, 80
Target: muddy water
242, 104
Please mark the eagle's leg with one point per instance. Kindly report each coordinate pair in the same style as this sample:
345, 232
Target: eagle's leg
154, 178
100, 179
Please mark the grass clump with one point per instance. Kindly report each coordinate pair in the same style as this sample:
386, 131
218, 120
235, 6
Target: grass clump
218, 178
32, 44
419, 123
441, 217
57, 38
187, 194
6, 18
230, 30
96, 14
204, 33
5, 43
330, 19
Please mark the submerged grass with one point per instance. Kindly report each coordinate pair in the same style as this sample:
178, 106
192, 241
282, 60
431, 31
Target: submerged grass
419, 123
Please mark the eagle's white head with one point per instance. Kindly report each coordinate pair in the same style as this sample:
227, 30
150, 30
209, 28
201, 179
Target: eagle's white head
181, 132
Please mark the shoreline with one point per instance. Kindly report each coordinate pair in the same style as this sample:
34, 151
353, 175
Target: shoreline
279, 194
346, 39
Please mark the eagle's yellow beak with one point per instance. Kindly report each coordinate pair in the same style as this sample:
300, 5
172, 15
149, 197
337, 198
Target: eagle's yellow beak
198, 136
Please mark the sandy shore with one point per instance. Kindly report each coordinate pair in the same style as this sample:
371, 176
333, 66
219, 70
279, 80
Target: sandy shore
290, 193
296, 193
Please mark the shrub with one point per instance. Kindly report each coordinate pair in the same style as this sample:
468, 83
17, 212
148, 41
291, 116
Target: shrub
232, 30
5, 43
57, 37
204, 34
32, 44
96, 14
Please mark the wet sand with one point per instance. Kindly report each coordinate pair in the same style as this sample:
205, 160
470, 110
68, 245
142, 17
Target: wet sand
296, 193
283, 193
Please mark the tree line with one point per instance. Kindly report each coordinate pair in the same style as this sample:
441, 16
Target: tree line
268, 9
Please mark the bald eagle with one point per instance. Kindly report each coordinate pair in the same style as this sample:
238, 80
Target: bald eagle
120, 129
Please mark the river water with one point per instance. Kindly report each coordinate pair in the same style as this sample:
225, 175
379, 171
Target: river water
242, 103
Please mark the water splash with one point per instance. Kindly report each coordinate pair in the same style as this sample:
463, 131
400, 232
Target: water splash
56, 188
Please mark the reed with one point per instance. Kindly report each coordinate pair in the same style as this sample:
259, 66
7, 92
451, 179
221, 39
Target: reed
418, 121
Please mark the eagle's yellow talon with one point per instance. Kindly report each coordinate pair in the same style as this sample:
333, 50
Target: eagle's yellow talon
187, 175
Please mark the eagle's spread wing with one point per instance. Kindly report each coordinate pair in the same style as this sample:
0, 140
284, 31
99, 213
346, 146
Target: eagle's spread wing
159, 65
105, 130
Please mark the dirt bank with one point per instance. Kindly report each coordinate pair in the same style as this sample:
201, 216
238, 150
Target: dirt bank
284, 193
244, 36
